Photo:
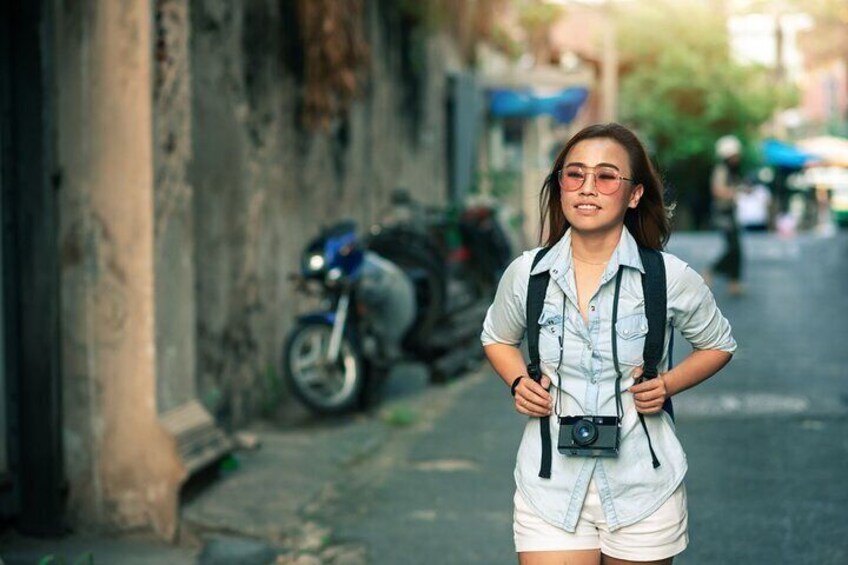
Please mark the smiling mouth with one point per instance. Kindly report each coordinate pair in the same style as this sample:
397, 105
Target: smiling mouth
587, 207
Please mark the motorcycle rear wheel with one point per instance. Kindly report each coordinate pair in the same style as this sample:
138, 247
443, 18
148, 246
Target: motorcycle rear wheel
324, 387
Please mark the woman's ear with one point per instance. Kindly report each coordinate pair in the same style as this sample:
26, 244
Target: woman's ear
635, 196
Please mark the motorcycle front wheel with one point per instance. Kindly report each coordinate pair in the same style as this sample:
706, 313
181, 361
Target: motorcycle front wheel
324, 386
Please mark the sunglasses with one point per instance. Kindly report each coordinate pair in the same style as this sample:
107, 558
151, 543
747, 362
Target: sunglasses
607, 179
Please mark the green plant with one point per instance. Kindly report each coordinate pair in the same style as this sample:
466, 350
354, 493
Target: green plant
400, 416
86, 558
211, 399
501, 184
274, 389
681, 89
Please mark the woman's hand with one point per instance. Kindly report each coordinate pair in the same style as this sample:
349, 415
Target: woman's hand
650, 395
532, 398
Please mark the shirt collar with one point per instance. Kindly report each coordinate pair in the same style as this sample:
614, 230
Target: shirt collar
626, 253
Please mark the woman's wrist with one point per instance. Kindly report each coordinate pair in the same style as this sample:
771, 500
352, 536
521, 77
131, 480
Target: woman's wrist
669, 387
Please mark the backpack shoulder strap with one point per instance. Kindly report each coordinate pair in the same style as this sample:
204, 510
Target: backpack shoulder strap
655, 292
537, 287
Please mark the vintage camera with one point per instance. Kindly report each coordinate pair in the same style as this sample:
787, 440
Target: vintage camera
589, 436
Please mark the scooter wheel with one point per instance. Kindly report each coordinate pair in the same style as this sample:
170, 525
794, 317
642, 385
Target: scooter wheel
323, 386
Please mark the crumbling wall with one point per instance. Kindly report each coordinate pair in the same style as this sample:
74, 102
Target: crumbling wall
264, 184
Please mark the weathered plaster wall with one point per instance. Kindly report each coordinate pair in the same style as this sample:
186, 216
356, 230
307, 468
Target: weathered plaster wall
263, 187
122, 466
173, 211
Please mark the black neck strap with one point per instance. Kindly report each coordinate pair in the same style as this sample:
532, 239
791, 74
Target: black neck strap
619, 408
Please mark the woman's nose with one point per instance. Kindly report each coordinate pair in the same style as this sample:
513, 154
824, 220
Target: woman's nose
588, 186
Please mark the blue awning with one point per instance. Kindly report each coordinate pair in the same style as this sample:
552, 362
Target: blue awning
524, 103
782, 154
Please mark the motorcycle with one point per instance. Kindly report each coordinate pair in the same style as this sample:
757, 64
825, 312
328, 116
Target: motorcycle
463, 251
470, 241
336, 358
414, 290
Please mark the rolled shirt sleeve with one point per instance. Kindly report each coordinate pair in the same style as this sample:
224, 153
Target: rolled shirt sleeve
505, 321
694, 311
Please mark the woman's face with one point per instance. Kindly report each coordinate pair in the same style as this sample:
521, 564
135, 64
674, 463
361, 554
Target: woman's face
591, 211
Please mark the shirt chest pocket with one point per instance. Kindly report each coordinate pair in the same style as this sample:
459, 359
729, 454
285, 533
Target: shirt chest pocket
550, 336
630, 338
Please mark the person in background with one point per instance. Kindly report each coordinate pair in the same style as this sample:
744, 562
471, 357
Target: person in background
725, 185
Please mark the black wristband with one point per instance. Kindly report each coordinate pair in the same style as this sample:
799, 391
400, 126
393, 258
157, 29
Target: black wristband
515, 384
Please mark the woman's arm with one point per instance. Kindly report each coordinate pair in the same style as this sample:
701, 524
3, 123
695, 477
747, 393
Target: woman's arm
696, 368
531, 398
695, 314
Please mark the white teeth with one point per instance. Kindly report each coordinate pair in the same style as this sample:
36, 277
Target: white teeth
587, 207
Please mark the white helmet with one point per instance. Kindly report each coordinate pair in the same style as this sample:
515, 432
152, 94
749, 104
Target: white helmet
727, 146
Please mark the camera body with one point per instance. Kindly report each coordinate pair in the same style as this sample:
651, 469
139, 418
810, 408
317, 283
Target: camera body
589, 436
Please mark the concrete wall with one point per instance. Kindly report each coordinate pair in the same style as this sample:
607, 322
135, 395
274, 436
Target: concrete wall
263, 186
122, 466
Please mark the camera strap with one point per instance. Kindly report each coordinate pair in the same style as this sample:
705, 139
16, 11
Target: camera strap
654, 461
619, 407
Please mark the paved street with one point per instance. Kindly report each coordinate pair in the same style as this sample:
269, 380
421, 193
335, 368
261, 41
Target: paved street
767, 438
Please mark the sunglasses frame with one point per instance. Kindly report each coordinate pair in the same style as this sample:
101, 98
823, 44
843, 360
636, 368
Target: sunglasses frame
559, 176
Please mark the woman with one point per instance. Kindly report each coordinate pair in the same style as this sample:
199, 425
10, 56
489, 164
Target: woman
601, 510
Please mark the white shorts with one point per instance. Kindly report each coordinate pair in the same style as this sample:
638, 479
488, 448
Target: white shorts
661, 535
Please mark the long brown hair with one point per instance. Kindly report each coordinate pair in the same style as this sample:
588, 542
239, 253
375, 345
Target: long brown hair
648, 222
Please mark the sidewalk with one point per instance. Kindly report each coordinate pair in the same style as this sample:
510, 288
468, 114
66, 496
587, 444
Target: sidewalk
256, 509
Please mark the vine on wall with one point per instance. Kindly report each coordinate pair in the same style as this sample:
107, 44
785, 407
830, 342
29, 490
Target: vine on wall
333, 51
335, 54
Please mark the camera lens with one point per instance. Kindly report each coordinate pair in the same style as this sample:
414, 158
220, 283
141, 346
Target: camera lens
584, 432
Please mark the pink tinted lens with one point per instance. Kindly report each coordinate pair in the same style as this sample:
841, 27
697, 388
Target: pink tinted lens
607, 181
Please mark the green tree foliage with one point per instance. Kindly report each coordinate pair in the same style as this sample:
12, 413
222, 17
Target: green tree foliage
680, 89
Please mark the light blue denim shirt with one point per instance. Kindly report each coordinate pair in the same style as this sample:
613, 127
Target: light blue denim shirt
629, 486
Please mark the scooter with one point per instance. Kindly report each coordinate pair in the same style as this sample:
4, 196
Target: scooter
461, 253
470, 243
336, 357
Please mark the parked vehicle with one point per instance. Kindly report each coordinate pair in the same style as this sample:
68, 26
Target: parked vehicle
461, 253
336, 356
407, 291
373, 313
839, 205
825, 193
467, 246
